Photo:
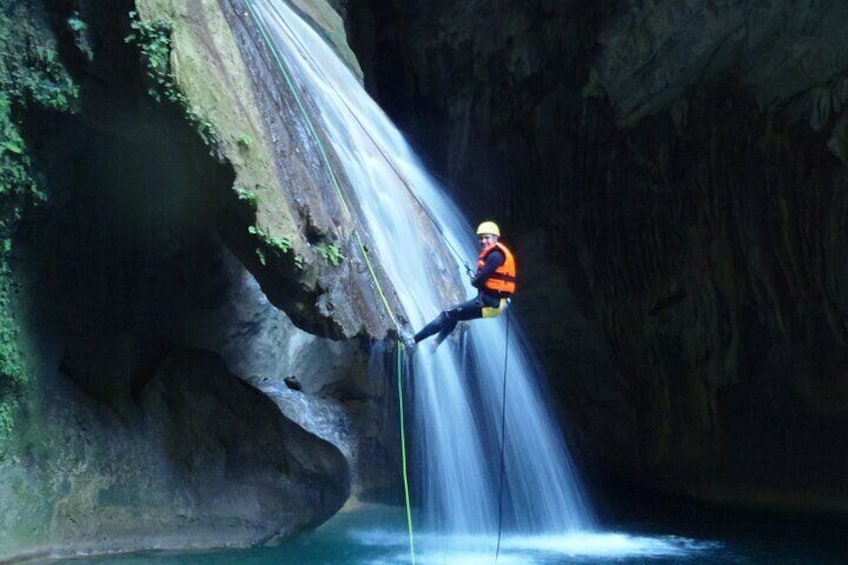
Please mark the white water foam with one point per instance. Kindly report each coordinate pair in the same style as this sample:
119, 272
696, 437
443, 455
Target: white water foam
542, 549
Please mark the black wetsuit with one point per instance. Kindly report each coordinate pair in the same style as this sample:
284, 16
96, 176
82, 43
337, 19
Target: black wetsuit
446, 322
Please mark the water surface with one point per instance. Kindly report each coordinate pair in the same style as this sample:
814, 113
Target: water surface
377, 535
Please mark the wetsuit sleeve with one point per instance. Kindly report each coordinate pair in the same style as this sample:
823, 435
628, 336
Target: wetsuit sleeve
494, 260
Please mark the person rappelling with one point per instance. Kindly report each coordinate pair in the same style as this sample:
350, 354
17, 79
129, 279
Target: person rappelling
494, 280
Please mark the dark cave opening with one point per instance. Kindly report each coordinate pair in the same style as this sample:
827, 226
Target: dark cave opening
125, 247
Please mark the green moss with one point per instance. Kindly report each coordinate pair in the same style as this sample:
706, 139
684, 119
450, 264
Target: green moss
13, 374
31, 76
16, 181
31, 71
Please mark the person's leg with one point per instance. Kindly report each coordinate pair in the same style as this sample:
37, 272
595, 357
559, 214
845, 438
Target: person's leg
446, 322
436, 325
444, 333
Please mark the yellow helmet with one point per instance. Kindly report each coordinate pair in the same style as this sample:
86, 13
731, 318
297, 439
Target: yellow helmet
488, 228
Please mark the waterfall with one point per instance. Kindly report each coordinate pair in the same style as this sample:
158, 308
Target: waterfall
458, 389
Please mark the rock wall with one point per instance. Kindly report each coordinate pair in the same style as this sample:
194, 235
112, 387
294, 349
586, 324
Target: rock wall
674, 173
162, 278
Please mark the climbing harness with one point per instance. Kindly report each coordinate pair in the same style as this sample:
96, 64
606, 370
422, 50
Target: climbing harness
493, 311
308, 122
503, 438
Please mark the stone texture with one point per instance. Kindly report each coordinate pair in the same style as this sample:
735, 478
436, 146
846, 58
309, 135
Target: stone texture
203, 460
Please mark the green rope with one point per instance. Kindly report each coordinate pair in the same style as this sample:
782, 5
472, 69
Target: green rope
371, 270
403, 458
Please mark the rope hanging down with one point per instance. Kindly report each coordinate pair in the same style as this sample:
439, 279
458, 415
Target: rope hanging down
503, 438
328, 165
403, 455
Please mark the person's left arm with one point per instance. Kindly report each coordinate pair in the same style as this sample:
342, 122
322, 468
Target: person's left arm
494, 260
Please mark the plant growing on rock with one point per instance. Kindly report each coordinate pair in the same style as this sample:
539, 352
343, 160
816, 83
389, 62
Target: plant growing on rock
31, 74
80, 30
278, 245
247, 196
331, 253
153, 39
244, 141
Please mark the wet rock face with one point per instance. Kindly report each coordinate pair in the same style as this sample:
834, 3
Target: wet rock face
689, 178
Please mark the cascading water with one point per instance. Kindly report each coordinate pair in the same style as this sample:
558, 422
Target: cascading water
458, 390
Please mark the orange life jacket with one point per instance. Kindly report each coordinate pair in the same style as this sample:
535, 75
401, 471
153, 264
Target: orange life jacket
503, 279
